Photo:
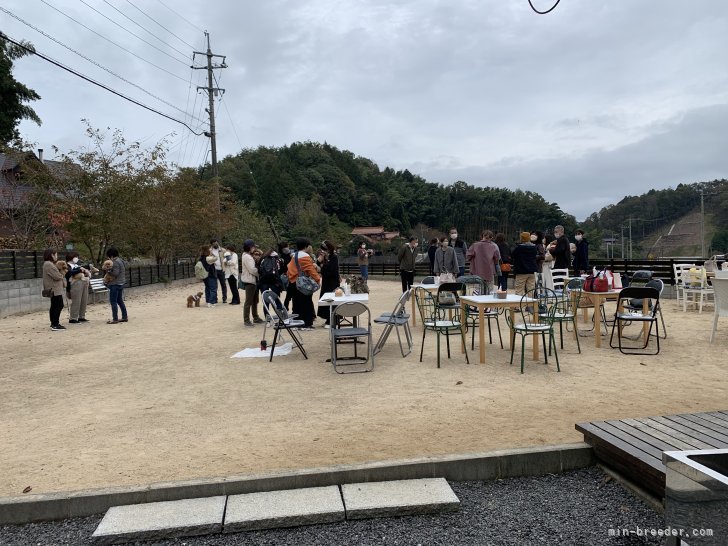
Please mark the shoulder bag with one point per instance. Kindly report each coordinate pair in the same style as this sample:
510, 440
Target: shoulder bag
304, 284
47, 292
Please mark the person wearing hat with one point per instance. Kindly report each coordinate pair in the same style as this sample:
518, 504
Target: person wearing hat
523, 259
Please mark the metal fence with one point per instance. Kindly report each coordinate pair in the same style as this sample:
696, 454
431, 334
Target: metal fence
28, 264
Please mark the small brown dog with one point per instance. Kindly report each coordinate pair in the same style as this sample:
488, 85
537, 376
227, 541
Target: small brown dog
194, 301
62, 267
106, 266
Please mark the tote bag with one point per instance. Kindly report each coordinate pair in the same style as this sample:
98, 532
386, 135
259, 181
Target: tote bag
304, 284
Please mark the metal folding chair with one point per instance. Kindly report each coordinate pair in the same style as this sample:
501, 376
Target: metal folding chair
398, 318
352, 312
623, 318
278, 318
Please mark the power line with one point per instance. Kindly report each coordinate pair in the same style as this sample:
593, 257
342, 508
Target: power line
181, 16
135, 35
112, 42
159, 24
102, 67
543, 12
145, 29
90, 80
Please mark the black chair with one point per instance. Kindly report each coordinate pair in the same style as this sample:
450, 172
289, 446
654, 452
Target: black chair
635, 304
278, 318
353, 312
624, 317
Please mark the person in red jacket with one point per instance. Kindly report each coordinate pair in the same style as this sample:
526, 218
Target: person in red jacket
302, 305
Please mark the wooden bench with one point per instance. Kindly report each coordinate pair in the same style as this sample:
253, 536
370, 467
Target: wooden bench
97, 288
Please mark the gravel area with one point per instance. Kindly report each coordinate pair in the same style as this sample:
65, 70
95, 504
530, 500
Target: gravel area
577, 507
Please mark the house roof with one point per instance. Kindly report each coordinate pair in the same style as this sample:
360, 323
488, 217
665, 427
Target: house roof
368, 230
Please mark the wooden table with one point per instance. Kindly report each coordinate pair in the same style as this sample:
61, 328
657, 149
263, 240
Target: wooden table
598, 299
510, 302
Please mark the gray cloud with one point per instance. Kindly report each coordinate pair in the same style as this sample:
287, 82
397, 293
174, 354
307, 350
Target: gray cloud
484, 91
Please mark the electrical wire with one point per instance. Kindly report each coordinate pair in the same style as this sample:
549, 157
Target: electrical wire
145, 29
112, 42
543, 12
102, 67
133, 34
158, 23
181, 17
90, 80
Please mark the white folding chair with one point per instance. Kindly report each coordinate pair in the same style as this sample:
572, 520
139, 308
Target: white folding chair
720, 286
695, 281
559, 278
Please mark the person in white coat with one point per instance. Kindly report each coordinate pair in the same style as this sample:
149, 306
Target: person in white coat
249, 276
230, 267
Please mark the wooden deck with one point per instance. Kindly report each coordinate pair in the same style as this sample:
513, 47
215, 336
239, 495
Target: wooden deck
634, 447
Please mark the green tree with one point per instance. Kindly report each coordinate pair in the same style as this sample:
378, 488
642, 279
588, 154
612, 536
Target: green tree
14, 94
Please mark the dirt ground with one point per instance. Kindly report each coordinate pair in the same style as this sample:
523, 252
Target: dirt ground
160, 399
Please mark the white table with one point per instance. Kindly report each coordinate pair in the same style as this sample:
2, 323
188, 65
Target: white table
331, 300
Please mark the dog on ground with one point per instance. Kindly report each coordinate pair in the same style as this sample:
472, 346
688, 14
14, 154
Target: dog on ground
194, 301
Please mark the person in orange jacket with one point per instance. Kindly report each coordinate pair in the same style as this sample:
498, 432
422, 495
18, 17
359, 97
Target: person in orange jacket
303, 305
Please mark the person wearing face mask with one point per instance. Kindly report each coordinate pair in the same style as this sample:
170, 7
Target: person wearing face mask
284, 251
581, 256
559, 249
461, 250
537, 239
445, 260
362, 259
77, 279
219, 253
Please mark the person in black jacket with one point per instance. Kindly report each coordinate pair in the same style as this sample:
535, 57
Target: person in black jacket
525, 265
330, 277
560, 250
505, 252
431, 254
208, 262
581, 256
284, 252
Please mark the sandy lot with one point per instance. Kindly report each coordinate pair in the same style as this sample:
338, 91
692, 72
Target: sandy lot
159, 398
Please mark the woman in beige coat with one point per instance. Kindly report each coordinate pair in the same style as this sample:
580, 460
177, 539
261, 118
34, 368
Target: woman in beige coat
53, 280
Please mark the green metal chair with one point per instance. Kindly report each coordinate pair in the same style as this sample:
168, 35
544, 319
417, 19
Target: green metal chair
441, 319
566, 308
475, 286
523, 322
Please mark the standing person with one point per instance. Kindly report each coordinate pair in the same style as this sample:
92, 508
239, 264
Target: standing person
269, 272
506, 264
219, 252
581, 256
362, 259
431, 254
461, 250
559, 249
484, 257
284, 251
77, 281
407, 258
53, 280
301, 260
445, 260
330, 277
249, 276
116, 287
537, 239
208, 262
524, 259
230, 269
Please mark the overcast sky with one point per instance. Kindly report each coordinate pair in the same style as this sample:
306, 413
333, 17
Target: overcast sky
592, 102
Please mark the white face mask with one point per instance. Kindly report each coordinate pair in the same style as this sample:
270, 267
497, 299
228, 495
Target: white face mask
577, 237
75, 260
363, 246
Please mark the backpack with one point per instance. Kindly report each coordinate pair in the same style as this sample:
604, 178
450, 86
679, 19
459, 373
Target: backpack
268, 267
200, 271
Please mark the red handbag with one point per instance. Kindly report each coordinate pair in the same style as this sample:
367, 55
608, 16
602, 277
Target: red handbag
596, 283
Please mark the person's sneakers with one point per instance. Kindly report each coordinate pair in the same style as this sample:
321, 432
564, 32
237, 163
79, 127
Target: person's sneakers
82, 320
248, 323
224, 300
57, 327
306, 328
327, 325
73, 321
258, 320
211, 304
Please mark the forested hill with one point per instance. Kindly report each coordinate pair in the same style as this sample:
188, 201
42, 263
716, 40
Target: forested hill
354, 191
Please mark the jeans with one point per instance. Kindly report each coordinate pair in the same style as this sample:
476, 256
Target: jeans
503, 281
461, 271
56, 308
364, 272
116, 299
211, 289
221, 277
408, 279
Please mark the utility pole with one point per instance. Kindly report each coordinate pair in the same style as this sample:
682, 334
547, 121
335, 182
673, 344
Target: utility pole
630, 237
621, 239
212, 92
702, 223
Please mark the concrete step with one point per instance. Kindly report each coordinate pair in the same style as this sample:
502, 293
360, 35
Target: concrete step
159, 520
288, 508
398, 498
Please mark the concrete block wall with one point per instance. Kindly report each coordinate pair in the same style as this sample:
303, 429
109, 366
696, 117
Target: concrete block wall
21, 297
